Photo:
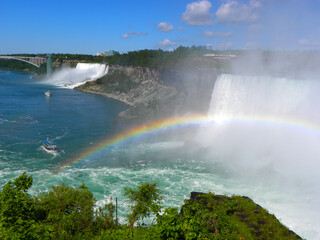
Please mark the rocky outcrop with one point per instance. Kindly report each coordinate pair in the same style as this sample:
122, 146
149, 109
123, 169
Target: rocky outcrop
235, 216
139, 87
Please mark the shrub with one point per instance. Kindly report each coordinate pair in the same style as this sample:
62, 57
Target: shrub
145, 199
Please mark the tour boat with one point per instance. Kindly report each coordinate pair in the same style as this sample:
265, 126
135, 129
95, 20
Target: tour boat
49, 145
47, 93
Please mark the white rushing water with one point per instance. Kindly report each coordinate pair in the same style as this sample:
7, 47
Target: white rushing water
268, 133
73, 77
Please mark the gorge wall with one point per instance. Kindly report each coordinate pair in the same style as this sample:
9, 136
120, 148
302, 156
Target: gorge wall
153, 94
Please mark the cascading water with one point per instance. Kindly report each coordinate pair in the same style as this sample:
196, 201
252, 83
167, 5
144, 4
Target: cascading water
264, 97
268, 132
73, 77
267, 121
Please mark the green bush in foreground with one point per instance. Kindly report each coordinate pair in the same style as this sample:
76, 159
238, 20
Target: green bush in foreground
68, 210
20, 215
70, 213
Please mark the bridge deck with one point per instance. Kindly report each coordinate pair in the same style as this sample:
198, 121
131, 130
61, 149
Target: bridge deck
35, 61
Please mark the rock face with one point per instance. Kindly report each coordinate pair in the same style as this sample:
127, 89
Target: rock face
139, 87
196, 83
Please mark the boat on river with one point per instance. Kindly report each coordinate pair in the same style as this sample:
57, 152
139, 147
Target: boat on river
49, 145
47, 93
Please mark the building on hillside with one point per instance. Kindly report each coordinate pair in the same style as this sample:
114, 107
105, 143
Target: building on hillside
100, 54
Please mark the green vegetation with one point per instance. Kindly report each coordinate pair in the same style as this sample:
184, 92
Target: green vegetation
78, 57
70, 213
117, 81
145, 199
158, 59
21, 66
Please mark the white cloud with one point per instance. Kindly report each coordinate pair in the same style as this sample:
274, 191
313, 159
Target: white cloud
125, 35
180, 28
128, 35
165, 27
208, 33
198, 13
166, 43
234, 12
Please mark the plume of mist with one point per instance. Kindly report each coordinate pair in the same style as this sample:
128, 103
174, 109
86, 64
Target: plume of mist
291, 64
73, 77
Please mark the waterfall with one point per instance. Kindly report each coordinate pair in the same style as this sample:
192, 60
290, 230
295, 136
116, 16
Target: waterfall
73, 77
266, 122
267, 98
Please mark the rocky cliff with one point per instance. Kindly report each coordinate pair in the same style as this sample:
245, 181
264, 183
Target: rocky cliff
142, 89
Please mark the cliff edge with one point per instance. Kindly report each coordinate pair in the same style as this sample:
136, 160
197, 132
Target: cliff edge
235, 217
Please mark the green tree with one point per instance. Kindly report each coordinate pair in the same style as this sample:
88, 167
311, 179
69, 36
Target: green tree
104, 217
170, 224
145, 199
69, 210
19, 213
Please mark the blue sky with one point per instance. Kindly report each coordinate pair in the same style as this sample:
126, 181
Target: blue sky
91, 26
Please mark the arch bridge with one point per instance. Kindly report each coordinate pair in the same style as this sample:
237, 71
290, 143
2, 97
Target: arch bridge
35, 61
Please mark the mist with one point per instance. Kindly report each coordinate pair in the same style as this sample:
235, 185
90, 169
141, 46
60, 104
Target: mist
72, 77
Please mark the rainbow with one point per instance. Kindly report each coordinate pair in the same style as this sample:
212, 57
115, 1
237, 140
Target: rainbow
174, 123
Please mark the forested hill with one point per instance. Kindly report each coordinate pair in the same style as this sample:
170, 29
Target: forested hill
160, 59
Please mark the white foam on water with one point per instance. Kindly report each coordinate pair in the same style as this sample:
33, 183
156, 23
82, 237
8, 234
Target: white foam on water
287, 204
73, 77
